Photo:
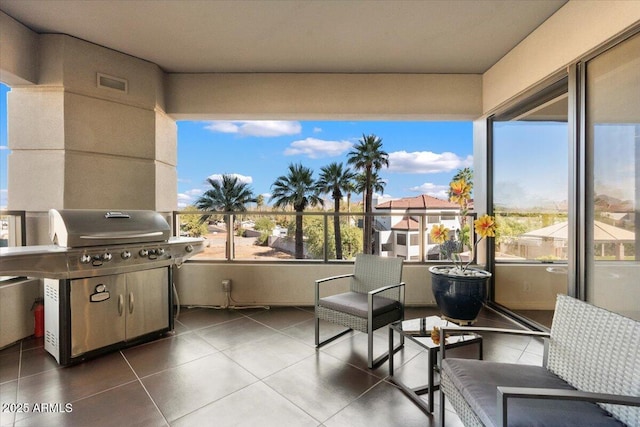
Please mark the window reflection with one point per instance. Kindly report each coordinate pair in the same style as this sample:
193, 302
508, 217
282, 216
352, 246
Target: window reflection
531, 204
531, 184
613, 190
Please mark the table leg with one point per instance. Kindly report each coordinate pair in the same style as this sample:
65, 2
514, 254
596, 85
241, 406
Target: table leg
433, 360
391, 353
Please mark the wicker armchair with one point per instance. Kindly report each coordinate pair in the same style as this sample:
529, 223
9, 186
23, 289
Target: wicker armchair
375, 299
590, 375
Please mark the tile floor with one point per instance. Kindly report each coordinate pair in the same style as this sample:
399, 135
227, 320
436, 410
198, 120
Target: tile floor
235, 368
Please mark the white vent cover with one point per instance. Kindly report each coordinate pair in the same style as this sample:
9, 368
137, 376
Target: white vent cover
106, 81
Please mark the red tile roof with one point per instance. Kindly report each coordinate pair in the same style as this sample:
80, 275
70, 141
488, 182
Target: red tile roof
407, 224
420, 202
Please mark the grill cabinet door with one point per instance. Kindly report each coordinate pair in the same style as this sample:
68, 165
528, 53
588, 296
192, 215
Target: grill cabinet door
97, 312
147, 301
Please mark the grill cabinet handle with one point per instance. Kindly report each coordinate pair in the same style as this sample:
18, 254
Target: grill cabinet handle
130, 302
120, 304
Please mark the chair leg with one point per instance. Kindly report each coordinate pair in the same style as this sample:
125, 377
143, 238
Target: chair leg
370, 346
441, 407
374, 363
331, 338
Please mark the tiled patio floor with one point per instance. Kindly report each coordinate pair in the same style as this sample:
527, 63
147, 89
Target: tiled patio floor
235, 368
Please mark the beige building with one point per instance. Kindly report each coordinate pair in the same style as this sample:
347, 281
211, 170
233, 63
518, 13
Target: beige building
398, 234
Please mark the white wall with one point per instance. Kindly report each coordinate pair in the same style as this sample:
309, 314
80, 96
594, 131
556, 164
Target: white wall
324, 96
18, 50
16, 318
529, 286
279, 284
572, 32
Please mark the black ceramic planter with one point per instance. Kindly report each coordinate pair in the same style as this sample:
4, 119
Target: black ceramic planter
459, 298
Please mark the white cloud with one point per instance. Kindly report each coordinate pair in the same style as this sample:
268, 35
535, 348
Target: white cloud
385, 196
317, 148
427, 162
189, 197
317, 130
434, 190
4, 147
260, 128
241, 178
223, 127
4, 196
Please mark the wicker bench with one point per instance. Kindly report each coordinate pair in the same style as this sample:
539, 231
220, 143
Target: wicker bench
590, 375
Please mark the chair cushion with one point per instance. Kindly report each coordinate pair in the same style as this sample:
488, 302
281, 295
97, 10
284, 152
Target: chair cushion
355, 303
477, 380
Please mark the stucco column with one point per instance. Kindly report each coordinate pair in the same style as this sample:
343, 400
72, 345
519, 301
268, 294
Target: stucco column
76, 144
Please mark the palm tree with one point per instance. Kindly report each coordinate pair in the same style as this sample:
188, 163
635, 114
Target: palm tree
377, 183
226, 195
299, 190
334, 179
259, 202
369, 157
350, 189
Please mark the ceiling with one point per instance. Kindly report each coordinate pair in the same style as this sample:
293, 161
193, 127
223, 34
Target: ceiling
330, 36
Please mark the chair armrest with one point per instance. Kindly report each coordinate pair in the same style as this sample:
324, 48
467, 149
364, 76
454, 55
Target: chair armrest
385, 288
372, 293
327, 279
460, 330
505, 393
340, 276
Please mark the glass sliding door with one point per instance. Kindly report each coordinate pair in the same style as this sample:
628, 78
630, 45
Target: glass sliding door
530, 169
612, 131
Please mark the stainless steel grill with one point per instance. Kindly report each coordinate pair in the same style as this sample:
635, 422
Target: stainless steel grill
108, 279
79, 228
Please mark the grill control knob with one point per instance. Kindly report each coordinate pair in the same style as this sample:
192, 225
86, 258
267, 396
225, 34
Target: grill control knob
144, 252
106, 256
85, 259
160, 251
189, 248
126, 255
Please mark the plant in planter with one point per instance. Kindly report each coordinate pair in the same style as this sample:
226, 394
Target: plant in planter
460, 290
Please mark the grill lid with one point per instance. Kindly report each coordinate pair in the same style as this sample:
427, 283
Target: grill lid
75, 228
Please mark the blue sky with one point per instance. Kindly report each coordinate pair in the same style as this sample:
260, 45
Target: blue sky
423, 156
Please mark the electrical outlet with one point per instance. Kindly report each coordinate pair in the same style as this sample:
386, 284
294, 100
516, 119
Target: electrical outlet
226, 285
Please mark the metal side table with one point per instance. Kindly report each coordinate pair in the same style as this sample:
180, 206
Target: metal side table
419, 331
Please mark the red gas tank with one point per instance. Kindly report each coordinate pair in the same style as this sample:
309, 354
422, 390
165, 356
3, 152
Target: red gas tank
38, 315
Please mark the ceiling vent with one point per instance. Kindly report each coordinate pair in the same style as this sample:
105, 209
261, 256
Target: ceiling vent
106, 81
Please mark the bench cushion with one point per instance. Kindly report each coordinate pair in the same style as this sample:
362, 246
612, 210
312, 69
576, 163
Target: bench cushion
355, 303
477, 380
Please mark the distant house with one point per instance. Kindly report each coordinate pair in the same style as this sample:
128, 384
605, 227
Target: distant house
552, 240
398, 235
